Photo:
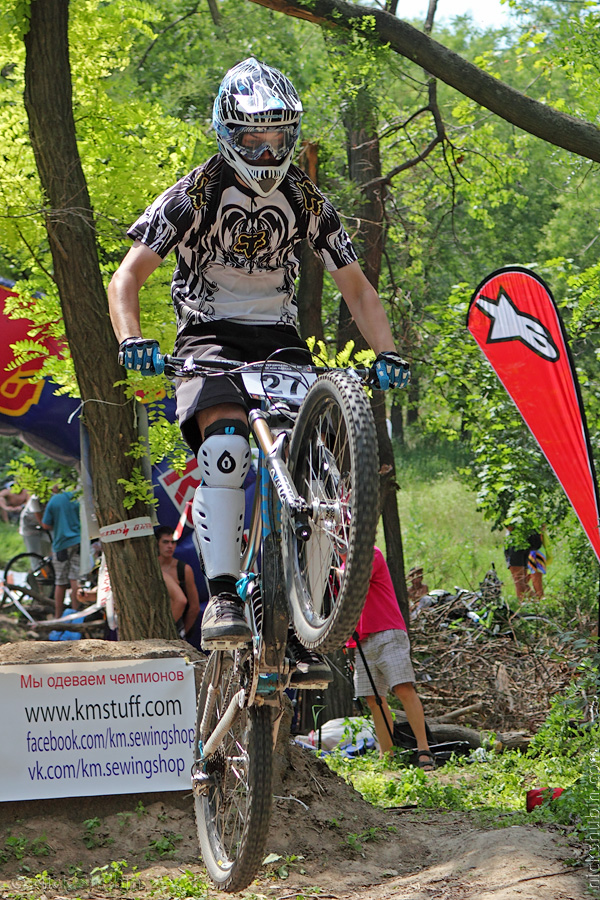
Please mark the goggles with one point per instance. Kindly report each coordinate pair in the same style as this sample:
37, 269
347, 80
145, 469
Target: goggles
252, 141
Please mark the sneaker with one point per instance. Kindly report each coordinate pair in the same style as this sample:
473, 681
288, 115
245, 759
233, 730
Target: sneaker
311, 669
223, 624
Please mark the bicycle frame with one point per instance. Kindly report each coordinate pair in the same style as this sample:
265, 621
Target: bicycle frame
271, 669
279, 387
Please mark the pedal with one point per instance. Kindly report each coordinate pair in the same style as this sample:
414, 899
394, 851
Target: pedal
224, 644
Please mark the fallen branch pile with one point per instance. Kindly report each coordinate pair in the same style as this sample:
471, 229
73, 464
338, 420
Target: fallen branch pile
499, 678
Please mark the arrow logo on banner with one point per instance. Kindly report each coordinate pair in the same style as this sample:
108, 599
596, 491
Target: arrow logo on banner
510, 324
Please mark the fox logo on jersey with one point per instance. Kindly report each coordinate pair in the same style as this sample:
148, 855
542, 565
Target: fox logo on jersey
510, 324
249, 244
197, 191
312, 198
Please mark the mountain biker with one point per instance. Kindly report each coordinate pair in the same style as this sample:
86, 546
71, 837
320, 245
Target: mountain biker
236, 224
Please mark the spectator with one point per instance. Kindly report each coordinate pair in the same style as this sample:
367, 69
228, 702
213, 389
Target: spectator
384, 641
180, 572
526, 562
30, 528
176, 596
12, 502
61, 517
416, 587
178, 600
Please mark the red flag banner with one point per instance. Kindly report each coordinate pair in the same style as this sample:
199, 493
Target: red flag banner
515, 321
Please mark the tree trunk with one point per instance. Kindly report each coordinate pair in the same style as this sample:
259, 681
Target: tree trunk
140, 594
388, 501
534, 117
310, 284
396, 418
364, 164
365, 167
412, 412
335, 702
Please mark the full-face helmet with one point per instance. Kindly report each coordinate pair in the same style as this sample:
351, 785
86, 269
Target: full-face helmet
257, 109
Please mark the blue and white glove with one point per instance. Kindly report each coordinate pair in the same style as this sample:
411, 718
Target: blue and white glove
141, 355
390, 370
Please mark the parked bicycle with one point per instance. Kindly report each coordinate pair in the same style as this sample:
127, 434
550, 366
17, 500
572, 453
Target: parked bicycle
29, 585
307, 560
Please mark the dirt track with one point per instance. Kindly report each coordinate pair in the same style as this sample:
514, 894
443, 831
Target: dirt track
344, 847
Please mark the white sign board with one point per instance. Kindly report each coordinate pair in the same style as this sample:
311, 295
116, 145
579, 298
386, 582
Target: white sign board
82, 729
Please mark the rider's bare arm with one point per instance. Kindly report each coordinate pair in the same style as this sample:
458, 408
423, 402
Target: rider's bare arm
366, 308
123, 290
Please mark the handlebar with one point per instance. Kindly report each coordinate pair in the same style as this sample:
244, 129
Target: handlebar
191, 367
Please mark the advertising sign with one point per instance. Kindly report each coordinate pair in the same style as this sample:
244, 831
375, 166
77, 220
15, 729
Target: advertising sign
515, 321
86, 729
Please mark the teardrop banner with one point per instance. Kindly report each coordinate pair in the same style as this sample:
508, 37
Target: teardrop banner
515, 320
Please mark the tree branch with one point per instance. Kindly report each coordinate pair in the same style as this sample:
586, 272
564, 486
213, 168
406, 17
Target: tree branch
173, 24
560, 129
407, 164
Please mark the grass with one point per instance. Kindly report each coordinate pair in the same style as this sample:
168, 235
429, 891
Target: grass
492, 789
442, 529
11, 543
563, 753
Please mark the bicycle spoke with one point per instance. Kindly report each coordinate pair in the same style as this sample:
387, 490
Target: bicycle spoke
333, 461
233, 818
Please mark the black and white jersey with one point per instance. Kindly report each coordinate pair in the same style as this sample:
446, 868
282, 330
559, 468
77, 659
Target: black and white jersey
238, 254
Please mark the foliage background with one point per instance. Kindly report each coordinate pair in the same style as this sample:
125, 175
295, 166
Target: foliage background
487, 195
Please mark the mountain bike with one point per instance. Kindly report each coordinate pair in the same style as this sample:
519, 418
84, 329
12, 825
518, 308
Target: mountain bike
308, 560
29, 585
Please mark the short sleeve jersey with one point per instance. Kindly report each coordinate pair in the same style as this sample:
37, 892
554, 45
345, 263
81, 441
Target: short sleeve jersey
238, 254
62, 515
381, 611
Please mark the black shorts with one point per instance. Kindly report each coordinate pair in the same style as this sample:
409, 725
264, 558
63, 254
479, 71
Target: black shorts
236, 342
520, 557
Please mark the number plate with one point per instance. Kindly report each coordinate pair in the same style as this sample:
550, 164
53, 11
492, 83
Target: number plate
277, 380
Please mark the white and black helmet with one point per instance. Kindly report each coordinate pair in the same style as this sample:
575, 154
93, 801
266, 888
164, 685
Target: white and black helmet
257, 109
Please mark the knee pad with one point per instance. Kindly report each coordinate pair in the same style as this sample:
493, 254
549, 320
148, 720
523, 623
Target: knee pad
224, 456
219, 501
218, 515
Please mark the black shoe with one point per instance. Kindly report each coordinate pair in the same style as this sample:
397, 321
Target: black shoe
223, 624
310, 670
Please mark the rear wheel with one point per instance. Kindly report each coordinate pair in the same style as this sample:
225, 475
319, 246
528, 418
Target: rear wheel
31, 578
334, 465
233, 809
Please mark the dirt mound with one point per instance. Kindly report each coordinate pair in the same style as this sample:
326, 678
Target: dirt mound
325, 835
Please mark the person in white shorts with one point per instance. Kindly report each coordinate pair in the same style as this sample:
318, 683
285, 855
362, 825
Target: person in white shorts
384, 641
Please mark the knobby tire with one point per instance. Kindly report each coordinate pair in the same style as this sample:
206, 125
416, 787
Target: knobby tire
233, 818
39, 586
333, 458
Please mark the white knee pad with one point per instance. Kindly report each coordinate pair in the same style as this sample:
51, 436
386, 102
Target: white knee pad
224, 460
218, 515
219, 502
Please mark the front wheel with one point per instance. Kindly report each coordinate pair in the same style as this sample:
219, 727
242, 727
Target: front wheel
334, 465
31, 578
233, 811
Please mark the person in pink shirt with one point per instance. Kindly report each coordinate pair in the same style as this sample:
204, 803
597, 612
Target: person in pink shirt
384, 641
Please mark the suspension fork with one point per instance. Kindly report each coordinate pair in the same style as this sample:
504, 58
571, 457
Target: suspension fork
273, 449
